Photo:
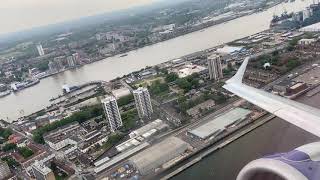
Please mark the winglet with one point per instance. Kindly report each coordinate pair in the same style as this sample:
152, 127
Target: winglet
237, 78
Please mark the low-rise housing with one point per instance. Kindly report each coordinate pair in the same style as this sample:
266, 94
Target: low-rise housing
196, 111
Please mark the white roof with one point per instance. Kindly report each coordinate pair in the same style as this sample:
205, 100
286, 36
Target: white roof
229, 49
146, 128
219, 123
189, 70
312, 28
118, 93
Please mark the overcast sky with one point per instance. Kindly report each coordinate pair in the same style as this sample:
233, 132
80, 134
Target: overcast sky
16, 15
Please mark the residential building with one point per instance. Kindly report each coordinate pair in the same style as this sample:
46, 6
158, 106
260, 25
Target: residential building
4, 170
42, 172
71, 61
40, 50
76, 58
215, 68
112, 113
143, 102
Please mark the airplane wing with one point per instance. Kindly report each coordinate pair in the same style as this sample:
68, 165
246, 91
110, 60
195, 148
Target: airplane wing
301, 115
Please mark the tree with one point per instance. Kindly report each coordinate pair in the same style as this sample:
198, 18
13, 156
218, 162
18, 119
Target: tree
82, 116
129, 119
292, 63
125, 100
25, 152
9, 147
157, 87
10, 161
171, 77
184, 84
43, 65
5, 133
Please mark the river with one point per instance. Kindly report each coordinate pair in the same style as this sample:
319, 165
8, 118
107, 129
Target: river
35, 98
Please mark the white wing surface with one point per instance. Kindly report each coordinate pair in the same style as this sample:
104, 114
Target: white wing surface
301, 115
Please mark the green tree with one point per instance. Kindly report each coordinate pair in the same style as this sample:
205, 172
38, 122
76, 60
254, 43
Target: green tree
171, 77
82, 116
129, 119
25, 152
10, 161
9, 147
292, 63
125, 100
157, 88
43, 65
5, 133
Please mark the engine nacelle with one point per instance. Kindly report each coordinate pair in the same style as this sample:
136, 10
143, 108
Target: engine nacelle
303, 163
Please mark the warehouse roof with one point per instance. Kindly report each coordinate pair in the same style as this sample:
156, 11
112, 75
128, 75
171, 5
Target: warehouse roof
219, 123
154, 155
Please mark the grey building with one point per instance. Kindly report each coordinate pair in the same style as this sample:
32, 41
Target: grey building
143, 102
214, 66
42, 172
150, 159
4, 170
112, 113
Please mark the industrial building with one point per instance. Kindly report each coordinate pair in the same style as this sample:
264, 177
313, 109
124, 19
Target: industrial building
112, 113
42, 172
150, 159
143, 102
4, 170
107, 162
142, 134
215, 67
153, 125
219, 124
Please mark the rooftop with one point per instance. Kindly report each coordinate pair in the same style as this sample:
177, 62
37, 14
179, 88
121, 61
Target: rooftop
220, 123
189, 70
118, 93
41, 168
229, 49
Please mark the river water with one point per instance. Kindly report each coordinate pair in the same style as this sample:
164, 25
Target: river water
37, 97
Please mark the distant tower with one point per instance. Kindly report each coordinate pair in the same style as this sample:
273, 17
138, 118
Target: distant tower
4, 170
112, 113
143, 102
42, 172
40, 50
215, 68
76, 58
71, 61
52, 67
